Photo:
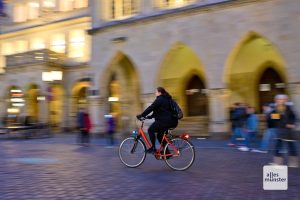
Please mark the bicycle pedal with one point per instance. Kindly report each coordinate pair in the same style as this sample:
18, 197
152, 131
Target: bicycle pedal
158, 157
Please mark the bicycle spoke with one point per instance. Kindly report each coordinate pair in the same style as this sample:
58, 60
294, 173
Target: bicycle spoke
129, 157
186, 155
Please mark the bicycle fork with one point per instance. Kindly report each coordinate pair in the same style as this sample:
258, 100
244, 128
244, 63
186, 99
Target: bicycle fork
135, 144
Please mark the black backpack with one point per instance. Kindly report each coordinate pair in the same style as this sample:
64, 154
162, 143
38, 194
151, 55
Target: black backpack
176, 110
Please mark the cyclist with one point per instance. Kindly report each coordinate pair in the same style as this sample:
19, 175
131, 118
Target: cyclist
162, 114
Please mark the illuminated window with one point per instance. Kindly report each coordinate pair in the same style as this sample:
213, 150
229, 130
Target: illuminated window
49, 3
58, 43
172, 3
37, 43
20, 13
68, 5
7, 48
77, 44
120, 9
33, 10
2, 64
81, 3
21, 46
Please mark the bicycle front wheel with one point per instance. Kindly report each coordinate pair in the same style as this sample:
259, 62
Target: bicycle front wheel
182, 154
132, 152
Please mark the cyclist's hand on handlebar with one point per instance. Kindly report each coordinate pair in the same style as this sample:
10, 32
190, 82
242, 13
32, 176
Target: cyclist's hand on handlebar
139, 117
149, 117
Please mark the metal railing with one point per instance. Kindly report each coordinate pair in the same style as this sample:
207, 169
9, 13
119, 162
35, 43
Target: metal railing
33, 57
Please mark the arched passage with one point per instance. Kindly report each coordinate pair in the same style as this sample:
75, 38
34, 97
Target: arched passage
270, 84
80, 94
55, 100
196, 97
120, 88
248, 61
32, 105
182, 74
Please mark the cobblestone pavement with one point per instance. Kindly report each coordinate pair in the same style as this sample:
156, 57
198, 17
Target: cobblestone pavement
57, 168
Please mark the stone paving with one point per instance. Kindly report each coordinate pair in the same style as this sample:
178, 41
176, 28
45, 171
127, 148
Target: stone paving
57, 168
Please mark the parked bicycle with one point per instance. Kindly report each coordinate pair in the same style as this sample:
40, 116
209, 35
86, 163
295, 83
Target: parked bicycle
178, 152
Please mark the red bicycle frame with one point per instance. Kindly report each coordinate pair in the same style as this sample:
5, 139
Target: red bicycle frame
165, 138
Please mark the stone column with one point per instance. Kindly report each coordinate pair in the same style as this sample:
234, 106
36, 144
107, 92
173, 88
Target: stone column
43, 110
3, 108
146, 6
218, 111
294, 91
66, 122
97, 111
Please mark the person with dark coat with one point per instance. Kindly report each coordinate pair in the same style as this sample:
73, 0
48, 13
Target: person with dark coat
84, 125
238, 121
270, 131
284, 119
162, 113
111, 129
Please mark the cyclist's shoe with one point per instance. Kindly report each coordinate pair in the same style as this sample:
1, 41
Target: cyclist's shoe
151, 150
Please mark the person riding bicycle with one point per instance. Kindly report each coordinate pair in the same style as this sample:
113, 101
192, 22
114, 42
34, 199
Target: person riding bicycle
162, 114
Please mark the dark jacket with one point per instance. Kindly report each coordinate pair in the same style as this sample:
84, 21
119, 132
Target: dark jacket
161, 111
269, 122
80, 120
288, 117
238, 117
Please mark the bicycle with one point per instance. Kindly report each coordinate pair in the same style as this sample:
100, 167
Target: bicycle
178, 152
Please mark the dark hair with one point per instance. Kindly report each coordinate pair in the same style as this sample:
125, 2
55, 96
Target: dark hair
163, 92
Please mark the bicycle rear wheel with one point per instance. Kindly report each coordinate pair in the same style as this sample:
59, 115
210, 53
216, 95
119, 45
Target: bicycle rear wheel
183, 154
132, 152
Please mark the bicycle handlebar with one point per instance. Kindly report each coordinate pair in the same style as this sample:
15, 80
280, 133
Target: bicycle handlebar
142, 119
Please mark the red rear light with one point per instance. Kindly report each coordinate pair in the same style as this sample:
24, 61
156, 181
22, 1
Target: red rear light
184, 136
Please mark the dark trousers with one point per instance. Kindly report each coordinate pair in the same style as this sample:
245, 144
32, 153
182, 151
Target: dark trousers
110, 138
84, 137
160, 129
291, 147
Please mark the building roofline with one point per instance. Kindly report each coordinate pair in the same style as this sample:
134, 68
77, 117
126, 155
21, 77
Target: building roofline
169, 12
45, 24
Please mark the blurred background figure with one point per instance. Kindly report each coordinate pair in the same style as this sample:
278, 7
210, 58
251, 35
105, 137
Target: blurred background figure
84, 125
111, 129
284, 119
250, 130
237, 118
2, 13
270, 133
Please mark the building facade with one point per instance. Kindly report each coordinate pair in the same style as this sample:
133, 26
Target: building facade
207, 53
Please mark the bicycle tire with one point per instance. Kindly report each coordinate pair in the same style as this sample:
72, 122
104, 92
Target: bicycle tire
183, 144
126, 147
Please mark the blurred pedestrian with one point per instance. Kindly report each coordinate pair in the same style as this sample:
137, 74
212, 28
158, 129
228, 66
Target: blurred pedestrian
250, 130
111, 128
270, 133
84, 125
237, 118
284, 119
